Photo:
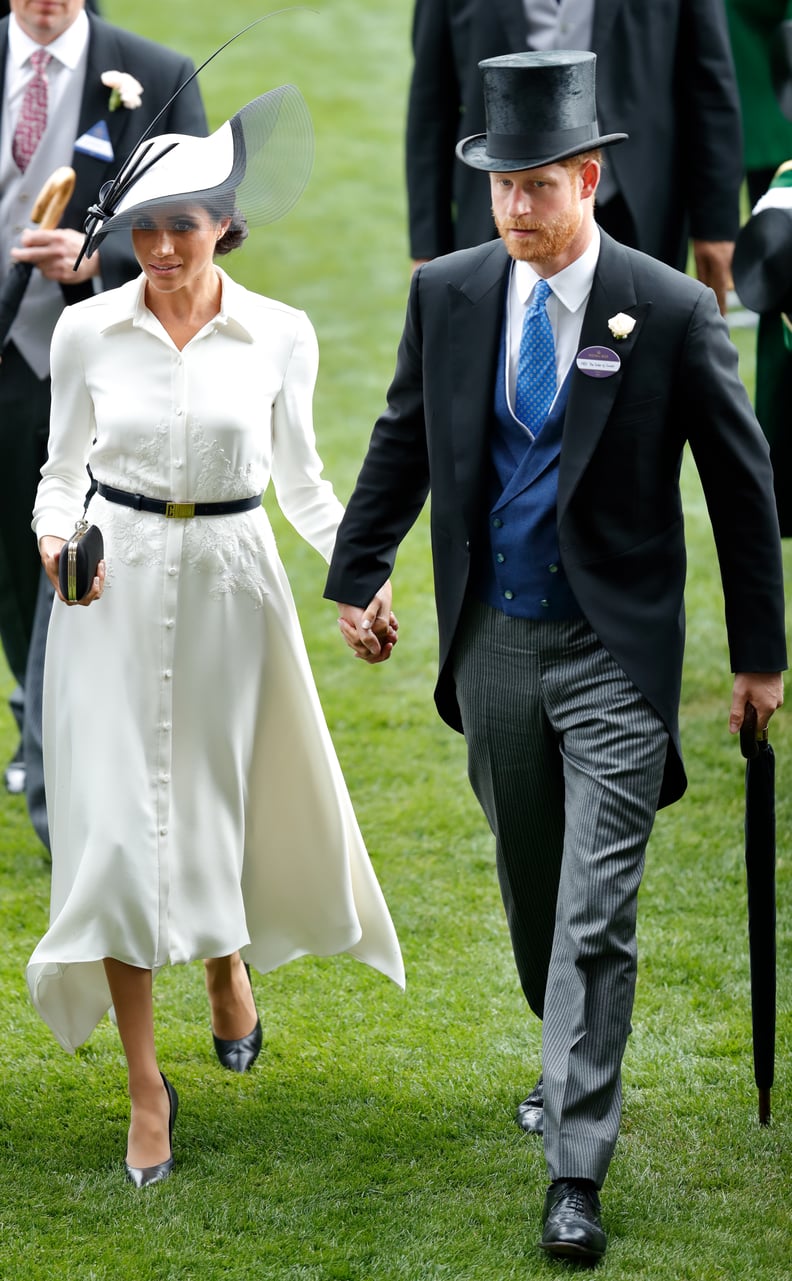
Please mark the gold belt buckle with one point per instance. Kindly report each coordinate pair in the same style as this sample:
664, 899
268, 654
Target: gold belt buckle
179, 511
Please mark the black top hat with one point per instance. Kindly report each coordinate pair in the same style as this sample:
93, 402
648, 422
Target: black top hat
539, 108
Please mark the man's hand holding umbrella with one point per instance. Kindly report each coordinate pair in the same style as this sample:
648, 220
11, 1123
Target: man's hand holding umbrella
46, 246
763, 690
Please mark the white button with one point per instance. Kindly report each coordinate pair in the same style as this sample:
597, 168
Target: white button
163, 831
167, 673
169, 623
173, 571
166, 725
164, 778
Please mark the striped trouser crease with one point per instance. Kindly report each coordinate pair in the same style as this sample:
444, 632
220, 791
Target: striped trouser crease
566, 758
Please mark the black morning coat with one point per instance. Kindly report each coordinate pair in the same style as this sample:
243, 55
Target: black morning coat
620, 521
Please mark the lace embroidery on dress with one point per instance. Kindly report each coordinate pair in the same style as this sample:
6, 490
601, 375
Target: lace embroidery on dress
235, 553
216, 480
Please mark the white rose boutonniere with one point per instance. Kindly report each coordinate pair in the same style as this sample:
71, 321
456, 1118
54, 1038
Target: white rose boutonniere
621, 325
125, 89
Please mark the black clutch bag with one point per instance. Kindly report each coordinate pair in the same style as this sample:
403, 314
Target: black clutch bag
79, 560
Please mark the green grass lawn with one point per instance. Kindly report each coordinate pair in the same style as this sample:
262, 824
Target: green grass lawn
374, 1140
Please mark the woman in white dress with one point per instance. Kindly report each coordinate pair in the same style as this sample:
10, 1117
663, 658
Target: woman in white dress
197, 807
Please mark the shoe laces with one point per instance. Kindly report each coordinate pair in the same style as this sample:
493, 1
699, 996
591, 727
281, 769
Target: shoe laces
574, 1200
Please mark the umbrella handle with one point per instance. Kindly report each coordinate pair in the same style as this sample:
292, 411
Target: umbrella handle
750, 737
53, 198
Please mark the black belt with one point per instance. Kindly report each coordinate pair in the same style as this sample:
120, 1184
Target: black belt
176, 511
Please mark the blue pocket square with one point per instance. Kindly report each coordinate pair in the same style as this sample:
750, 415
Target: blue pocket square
96, 142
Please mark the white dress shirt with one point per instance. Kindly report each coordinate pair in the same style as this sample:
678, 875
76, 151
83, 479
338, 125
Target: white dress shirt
566, 308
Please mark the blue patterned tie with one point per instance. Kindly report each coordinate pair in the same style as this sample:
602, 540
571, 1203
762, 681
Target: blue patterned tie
536, 370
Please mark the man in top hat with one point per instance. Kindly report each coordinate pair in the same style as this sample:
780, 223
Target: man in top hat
664, 72
546, 385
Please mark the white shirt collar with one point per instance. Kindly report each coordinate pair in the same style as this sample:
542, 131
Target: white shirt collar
68, 48
571, 286
126, 306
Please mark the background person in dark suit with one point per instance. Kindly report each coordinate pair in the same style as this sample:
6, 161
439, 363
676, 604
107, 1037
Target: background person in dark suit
559, 557
664, 73
5, 7
767, 133
84, 132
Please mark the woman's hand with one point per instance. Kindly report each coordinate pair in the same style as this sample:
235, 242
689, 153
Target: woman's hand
50, 549
371, 632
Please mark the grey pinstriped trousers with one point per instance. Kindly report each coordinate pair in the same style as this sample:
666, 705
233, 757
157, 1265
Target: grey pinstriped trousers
566, 758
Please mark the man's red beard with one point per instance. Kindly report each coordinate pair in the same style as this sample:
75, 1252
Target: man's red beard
551, 237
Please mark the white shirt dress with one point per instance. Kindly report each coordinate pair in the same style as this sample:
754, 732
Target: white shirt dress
195, 801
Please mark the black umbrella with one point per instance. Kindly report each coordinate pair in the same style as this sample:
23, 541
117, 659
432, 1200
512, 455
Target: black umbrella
760, 854
47, 211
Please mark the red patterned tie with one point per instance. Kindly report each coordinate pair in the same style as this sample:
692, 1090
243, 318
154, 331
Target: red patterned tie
33, 112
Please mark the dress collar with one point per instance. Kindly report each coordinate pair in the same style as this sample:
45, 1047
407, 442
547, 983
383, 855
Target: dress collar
126, 306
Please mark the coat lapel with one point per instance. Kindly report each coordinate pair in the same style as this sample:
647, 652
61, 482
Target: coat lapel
591, 399
475, 318
105, 53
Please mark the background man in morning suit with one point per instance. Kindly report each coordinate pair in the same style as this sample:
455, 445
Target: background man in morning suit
664, 73
545, 388
82, 131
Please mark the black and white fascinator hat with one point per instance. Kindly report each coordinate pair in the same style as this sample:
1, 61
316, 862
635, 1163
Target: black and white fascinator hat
257, 163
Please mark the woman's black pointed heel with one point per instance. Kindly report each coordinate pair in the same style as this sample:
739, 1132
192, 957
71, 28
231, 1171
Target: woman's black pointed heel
142, 1178
240, 1055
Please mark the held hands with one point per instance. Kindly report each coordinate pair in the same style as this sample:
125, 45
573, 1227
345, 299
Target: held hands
55, 253
50, 548
764, 689
371, 632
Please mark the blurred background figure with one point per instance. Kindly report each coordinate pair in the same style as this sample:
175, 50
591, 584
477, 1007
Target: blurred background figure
767, 135
80, 127
664, 74
5, 7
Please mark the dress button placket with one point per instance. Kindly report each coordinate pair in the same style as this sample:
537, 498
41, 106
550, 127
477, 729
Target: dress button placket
174, 536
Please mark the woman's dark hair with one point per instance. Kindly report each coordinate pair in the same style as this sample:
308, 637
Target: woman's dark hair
234, 236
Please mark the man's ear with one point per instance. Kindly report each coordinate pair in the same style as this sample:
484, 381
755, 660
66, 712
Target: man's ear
589, 178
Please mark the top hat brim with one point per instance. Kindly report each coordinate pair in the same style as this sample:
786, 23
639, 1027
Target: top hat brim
474, 152
762, 263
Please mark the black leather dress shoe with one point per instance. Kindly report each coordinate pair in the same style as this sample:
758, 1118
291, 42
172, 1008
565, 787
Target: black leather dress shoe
148, 1174
241, 1054
530, 1113
572, 1227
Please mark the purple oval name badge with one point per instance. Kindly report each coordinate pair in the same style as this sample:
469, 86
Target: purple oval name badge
598, 362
